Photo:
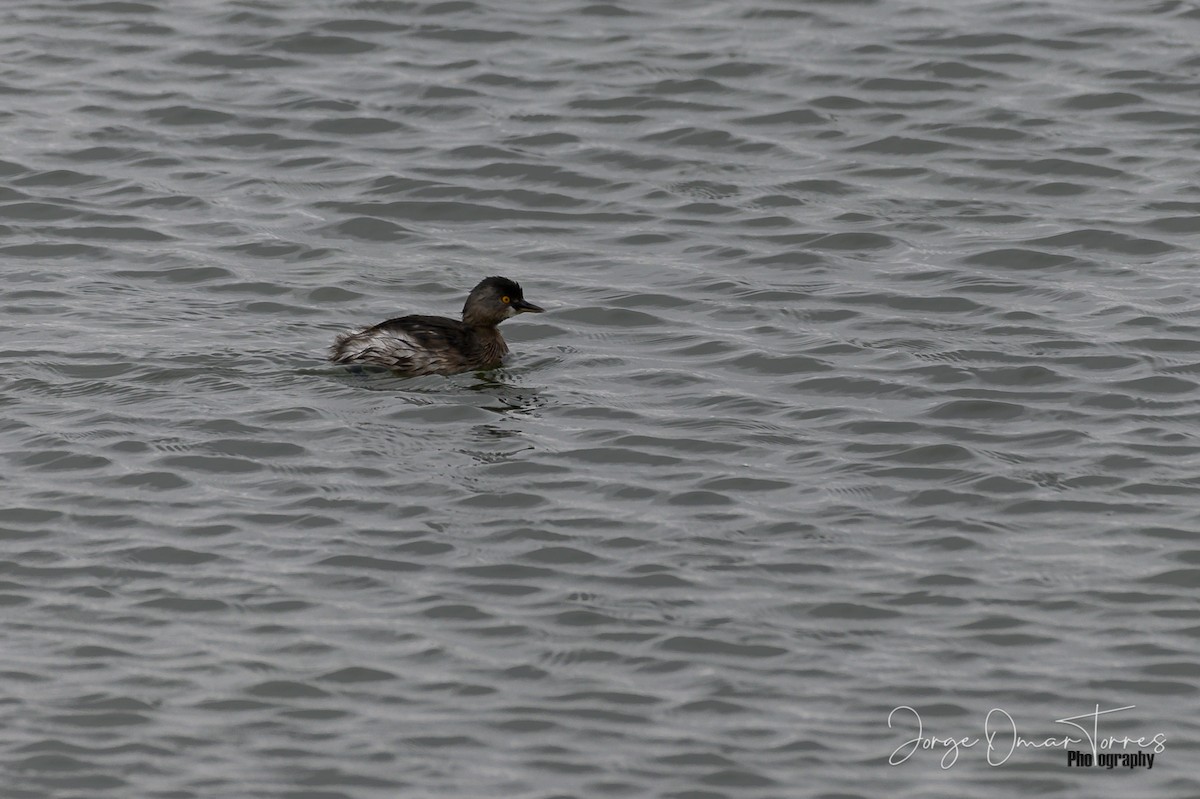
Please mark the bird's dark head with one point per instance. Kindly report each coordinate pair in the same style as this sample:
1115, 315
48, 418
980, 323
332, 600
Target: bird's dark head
494, 300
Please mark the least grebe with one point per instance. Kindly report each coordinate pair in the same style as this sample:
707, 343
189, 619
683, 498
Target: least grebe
436, 345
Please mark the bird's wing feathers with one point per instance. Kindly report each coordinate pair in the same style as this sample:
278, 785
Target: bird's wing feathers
412, 344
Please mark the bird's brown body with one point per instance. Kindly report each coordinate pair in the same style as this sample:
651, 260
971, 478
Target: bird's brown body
424, 345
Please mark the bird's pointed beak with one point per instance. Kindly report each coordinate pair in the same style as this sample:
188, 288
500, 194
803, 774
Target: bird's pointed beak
521, 306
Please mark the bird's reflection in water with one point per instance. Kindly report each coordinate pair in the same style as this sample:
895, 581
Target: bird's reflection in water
508, 399
505, 439
492, 391
492, 444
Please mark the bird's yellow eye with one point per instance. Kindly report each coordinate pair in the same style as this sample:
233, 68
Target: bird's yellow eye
505, 299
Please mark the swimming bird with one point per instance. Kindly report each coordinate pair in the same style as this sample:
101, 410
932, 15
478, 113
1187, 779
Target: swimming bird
437, 345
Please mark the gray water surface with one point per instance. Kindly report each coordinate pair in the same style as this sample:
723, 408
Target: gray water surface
868, 379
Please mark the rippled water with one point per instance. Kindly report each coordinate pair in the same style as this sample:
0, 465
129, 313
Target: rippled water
869, 379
